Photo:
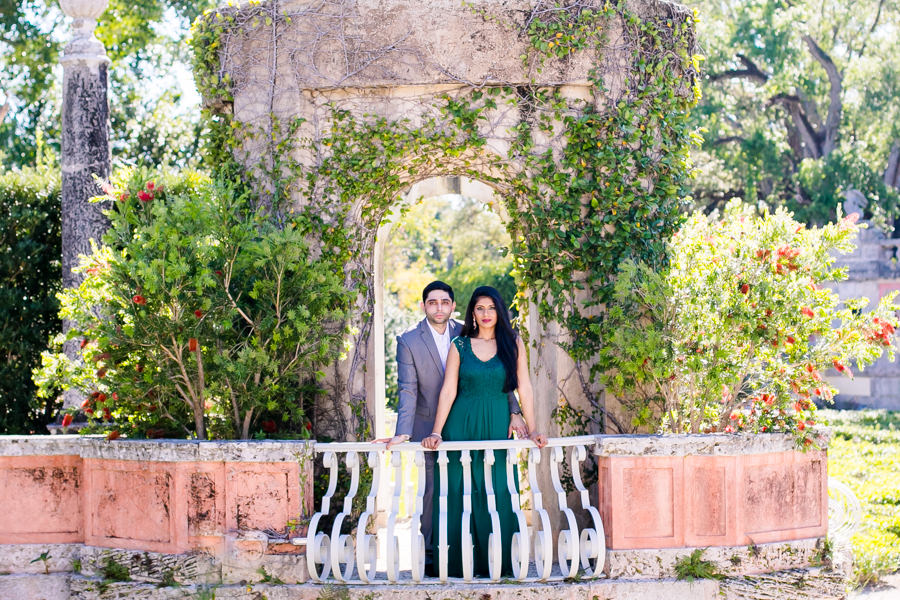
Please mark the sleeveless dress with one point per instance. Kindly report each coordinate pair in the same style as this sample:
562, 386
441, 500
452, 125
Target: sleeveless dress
480, 412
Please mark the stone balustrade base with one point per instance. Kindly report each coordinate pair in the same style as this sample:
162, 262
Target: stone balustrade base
798, 584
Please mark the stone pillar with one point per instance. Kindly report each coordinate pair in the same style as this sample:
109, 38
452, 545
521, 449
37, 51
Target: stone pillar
85, 145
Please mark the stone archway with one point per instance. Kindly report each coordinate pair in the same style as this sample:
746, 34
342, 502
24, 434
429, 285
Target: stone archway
348, 103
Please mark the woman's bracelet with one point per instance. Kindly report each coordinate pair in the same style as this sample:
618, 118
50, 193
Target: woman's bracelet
437, 434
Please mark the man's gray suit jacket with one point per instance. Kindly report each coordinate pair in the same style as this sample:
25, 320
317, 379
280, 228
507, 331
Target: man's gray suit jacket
420, 376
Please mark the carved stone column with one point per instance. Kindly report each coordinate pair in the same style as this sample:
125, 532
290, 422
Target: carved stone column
85, 144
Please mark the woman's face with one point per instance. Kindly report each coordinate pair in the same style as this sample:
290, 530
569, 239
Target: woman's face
485, 313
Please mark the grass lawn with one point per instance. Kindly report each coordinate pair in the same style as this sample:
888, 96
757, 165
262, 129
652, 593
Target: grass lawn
865, 455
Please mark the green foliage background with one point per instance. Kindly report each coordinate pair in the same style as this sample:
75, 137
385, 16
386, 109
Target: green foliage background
30, 251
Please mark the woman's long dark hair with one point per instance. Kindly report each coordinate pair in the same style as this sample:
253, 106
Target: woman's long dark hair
507, 348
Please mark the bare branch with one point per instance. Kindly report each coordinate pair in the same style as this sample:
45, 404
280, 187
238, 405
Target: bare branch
835, 105
862, 48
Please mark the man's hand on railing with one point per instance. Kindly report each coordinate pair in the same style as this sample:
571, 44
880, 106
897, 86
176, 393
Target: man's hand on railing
538, 438
397, 439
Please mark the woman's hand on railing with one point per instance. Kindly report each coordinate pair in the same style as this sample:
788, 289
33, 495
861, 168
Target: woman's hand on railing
538, 438
432, 441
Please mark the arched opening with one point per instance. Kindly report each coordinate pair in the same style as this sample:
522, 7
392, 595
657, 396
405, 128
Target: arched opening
448, 248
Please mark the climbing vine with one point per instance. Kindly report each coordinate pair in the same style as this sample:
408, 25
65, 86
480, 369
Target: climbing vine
587, 182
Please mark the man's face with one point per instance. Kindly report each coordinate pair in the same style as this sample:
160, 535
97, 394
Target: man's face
438, 307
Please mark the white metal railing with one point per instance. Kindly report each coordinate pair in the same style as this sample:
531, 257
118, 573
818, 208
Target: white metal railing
355, 557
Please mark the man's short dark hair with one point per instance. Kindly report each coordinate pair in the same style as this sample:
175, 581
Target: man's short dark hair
437, 285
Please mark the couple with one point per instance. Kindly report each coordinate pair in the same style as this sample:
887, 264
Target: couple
456, 383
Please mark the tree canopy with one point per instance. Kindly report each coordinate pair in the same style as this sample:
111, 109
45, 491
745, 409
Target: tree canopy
800, 104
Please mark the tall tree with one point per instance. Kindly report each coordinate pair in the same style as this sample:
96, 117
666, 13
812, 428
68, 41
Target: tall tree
800, 104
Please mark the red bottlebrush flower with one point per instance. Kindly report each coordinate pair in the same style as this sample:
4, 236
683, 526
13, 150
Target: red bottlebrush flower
745, 288
198, 313
806, 311
218, 272
67, 420
144, 196
192, 344
139, 368
801, 425
151, 185
86, 403
807, 442
768, 312
309, 426
113, 435
760, 253
107, 189
729, 429
139, 300
84, 342
106, 414
763, 428
269, 426
124, 196
790, 339
818, 392
101, 397
101, 373
89, 411
734, 415
798, 407
115, 396
809, 367
155, 434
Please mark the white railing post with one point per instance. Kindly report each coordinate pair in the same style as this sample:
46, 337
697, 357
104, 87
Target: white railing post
495, 547
543, 539
465, 541
393, 541
519, 549
593, 539
567, 543
317, 543
443, 547
366, 543
342, 544
417, 540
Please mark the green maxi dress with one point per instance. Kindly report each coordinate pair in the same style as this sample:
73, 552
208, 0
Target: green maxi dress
480, 412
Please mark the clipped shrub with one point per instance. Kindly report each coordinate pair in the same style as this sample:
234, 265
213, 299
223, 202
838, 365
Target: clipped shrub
201, 314
30, 277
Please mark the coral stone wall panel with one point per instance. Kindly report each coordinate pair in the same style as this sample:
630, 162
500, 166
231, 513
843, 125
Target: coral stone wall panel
647, 503
784, 497
40, 500
132, 505
710, 500
261, 496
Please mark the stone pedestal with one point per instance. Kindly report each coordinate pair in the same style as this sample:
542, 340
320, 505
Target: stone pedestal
85, 146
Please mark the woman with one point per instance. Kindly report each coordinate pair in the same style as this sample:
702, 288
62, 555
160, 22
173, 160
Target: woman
485, 362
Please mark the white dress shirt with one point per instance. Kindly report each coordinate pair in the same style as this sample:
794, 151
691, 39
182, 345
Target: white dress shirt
442, 341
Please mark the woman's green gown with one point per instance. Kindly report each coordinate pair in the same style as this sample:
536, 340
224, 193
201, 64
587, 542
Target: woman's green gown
480, 412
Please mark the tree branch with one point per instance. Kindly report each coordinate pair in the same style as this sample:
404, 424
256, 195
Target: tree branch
835, 104
808, 135
891, 172
750, 71
862, 48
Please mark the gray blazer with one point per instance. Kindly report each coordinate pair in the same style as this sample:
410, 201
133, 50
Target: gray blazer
420, 376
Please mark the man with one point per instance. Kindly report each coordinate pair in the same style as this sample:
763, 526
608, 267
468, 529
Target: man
421, 358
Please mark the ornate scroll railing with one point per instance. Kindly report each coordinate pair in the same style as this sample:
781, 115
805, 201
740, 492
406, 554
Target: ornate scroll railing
354, 557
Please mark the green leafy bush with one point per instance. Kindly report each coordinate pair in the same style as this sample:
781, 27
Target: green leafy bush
30, 275
737, 333
200, 313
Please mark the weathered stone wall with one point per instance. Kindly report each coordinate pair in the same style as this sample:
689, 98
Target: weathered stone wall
393, 60
873, 271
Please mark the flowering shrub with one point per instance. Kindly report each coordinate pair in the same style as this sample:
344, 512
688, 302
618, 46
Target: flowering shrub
199, 313
740, 330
